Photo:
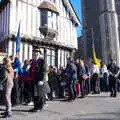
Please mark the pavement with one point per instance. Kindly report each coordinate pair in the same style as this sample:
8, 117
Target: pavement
93, 107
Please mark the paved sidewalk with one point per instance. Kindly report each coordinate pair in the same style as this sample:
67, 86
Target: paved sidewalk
93, 107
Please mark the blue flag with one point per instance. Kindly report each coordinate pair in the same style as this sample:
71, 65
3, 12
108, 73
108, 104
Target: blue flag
18, 40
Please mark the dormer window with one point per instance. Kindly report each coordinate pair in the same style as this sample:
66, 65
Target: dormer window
49, 15
49, 20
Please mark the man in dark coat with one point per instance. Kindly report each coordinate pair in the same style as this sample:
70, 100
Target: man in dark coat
39, 83
71, 72
113, 70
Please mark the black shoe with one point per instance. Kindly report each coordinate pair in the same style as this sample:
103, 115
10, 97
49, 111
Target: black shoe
74, 98
37, 110
32, 110
3, 113
111, 95
82, 96
115, 95
51, 98
7, 116
69, 99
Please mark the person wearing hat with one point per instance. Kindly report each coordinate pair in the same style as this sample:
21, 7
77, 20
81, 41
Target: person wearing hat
39, 83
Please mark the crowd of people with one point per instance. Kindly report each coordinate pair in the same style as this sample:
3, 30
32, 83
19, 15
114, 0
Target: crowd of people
34, 82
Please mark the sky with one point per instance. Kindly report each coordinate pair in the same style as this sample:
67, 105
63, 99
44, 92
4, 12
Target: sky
77, 6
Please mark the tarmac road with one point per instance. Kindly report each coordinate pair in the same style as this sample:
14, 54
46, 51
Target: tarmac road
93, 107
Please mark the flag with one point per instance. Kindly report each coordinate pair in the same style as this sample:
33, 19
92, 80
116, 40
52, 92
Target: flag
95, 59
18, 40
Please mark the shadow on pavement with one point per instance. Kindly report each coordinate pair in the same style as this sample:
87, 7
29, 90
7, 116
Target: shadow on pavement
85, 119
102, 96
16, 110
92, 116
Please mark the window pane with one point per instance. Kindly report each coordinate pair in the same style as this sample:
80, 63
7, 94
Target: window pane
48, 60
48, 52
42, 50
43, 18
53, 61
53, 53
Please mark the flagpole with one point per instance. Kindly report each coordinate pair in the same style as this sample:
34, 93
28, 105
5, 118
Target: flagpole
92, 33
18, 40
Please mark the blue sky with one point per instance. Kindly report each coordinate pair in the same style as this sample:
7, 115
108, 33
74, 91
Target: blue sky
77, 7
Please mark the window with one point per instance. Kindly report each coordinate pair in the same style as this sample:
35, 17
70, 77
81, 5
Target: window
42, 52
3, 3
53, 58
50, 16
44, 19
50, 57
66, 11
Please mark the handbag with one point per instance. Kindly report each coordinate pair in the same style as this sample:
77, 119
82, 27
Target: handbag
63, 83
85, 76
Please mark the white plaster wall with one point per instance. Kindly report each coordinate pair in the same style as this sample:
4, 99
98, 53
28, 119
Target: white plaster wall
10, 48
25, 51
30, 52
26, 12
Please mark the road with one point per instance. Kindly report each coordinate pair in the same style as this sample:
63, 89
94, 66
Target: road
93, 107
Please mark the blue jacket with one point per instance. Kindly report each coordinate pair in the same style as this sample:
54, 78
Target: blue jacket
17, 66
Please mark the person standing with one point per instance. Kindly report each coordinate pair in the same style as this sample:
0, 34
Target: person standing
103, 78
113, 70
39, 83
71, 72
27, 83
95, 81
82, 77
8, 84
87, 81
18, 83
